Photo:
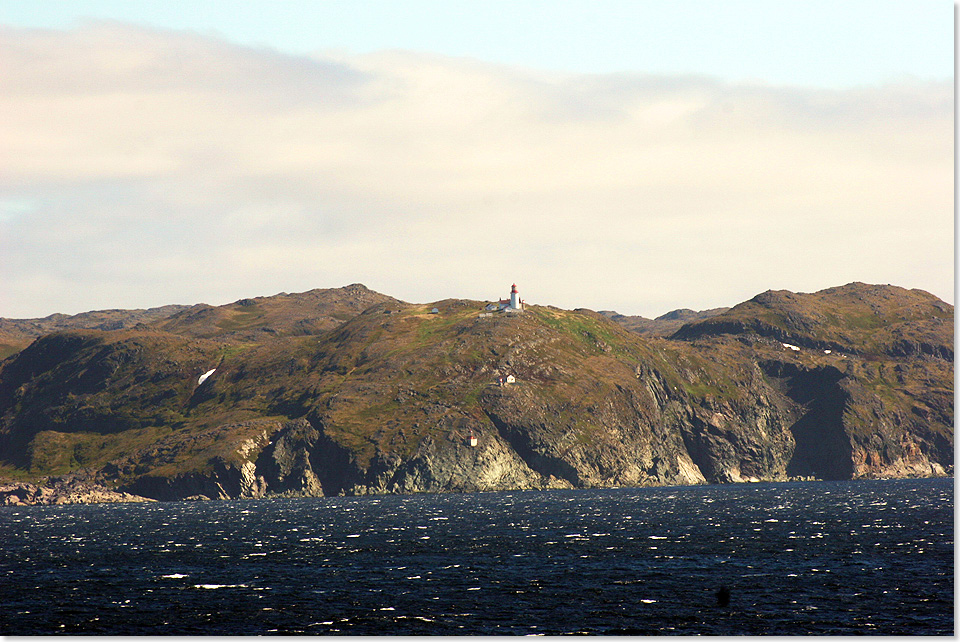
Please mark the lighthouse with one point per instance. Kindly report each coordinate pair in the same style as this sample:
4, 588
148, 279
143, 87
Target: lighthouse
511, 305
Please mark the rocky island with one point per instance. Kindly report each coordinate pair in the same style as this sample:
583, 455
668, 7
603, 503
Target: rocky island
349, 391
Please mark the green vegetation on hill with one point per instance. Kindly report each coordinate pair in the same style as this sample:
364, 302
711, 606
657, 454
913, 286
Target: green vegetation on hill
856, 318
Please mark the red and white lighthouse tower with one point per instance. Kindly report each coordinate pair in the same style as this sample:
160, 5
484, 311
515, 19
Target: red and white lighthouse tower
514, 300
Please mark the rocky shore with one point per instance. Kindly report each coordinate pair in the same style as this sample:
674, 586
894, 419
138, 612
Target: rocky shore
58, 490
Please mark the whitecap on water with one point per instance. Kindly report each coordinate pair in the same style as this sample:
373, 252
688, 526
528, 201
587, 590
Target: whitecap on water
174, 576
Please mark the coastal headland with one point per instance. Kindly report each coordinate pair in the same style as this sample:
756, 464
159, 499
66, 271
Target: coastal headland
347, 391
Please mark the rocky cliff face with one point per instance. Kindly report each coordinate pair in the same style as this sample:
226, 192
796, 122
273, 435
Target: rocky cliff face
386, 400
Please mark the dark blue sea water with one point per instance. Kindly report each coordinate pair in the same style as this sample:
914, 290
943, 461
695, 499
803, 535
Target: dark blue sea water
826, 558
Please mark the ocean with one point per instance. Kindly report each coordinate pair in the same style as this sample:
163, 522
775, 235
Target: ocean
822, 558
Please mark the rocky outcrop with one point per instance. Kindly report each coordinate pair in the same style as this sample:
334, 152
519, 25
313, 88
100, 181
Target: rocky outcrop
621, 441
300, 460
62, 491
285, 465
452, 465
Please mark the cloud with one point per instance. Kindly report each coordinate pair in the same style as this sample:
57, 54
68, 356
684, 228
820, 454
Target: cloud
168, 167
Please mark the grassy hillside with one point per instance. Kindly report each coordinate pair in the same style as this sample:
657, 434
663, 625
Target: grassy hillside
855, 318
261, 318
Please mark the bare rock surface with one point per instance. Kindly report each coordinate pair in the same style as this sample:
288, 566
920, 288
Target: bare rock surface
62, 491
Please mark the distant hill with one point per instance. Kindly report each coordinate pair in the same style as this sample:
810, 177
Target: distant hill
16, 334
665, 324
349, 391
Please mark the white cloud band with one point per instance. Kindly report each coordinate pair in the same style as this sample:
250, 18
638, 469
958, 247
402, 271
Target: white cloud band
149, 157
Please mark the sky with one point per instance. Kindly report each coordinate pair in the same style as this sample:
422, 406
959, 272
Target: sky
637, 156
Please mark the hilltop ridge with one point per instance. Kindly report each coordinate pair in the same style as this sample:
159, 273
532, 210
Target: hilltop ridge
857, 318
16, 334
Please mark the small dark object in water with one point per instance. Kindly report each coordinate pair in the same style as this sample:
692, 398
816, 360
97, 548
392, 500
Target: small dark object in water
723, 596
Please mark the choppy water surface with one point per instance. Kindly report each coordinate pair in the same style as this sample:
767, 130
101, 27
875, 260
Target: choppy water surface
872, 557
